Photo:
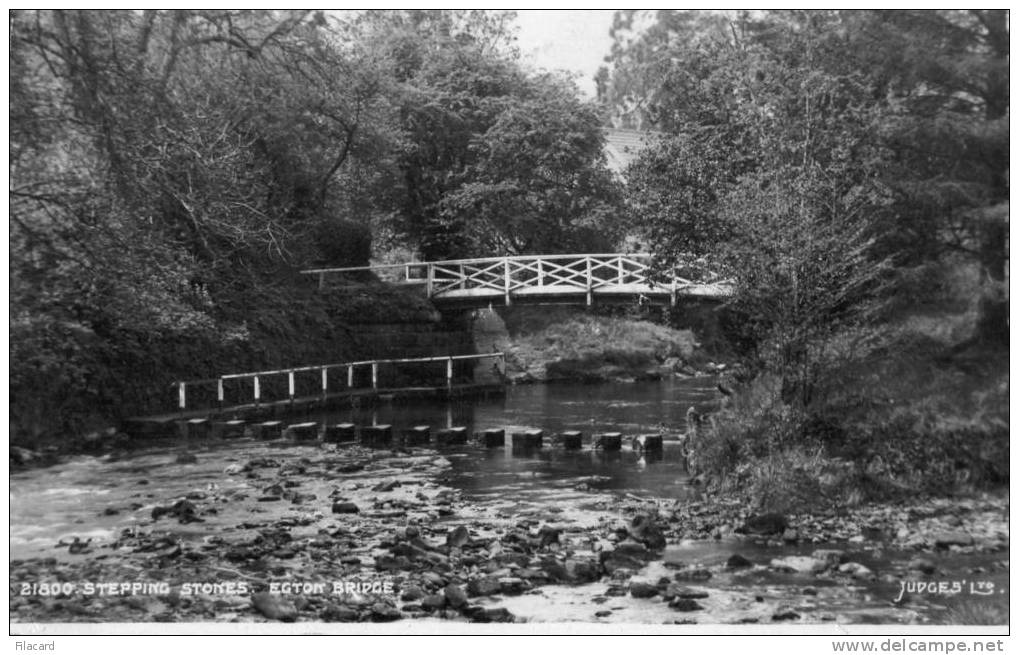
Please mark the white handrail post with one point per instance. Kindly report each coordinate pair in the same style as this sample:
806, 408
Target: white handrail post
350, 376
506, 279
325, 382
449, 372
619, 267
375, 375
672, 294
258, 391
182, 396
463, 277
541, 276
431, 279
219, 392
590, 297
290, 385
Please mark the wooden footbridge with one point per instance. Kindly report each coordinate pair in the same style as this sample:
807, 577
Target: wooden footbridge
544, 279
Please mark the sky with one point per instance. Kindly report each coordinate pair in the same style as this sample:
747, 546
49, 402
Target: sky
574, 40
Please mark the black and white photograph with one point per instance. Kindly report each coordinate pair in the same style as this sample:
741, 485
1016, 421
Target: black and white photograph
478, 321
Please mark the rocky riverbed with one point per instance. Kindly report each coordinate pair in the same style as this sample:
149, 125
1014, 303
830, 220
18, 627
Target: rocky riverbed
278, 532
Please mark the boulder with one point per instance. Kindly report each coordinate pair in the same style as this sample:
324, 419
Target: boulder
737, 561
765, 524
799, 564
685, 605
948, 539
640, 589
345, 508
493, 615
456, 597
487, 586
433, 602
646, 529
458, 537
274, 608
856, 570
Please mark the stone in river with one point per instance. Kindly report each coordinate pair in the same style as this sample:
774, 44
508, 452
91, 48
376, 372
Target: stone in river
458, 537
646, 530
765, 524
455, 596
685, 605
433, 602
483, 586
548, 534
338, 614
382, 613
857, 570
947, 539
831, 557
412, 593
345, 508
923, 565
512, 586
643, 589
737, 561
679, 591
785, 614
799, 564
274, 607
493, 615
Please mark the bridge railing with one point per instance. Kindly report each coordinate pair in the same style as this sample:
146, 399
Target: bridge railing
309, 382
585, 274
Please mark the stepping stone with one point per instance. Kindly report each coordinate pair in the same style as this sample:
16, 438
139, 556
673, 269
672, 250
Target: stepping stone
303, 431
492, 438
451, 436
648, 443
419, 435
376, 436
340, 433
572, 439
198, 428
230, 429
527, 440
609, 440
268, 430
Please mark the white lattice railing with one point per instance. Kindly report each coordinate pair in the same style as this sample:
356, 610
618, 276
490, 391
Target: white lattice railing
554, 275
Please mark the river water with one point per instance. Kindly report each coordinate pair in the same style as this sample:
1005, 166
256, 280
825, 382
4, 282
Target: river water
74, 498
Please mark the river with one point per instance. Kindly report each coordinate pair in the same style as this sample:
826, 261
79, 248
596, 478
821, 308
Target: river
104, 498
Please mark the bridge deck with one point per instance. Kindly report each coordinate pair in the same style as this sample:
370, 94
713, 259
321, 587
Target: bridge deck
551, 278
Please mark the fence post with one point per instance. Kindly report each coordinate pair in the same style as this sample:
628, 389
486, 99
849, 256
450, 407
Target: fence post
463, 277
590, 297
619, 267
375, 375
325, 382
182, 396
290, 386
449, 373
431, 279
350, 376
672, 294
219, 392
506, 279
541, 275
258, 391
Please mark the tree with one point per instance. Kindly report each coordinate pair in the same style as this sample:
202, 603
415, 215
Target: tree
931, 84
496, 160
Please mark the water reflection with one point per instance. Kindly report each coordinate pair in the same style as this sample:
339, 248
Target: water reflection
543, 473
